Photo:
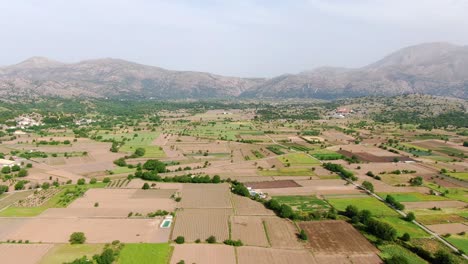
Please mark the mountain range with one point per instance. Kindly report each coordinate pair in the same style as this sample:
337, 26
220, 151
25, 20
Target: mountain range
431, 68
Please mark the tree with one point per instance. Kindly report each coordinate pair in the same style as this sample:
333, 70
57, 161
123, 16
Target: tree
211, 240
286, 211
106, 180
216, 179
410, 217
145, 186
416, 181
19, 185
351, 211
397, 260
3, 189
181, 262
22, 173
303, 235
442, 257
155, 165
6, 170
368, 186
140, 152
465, 143
405, 237
81, 181
15, 168
77, 238
364, 216
45, 185
93, 181
107, 257
120, 162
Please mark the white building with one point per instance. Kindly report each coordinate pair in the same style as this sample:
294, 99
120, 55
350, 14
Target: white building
8, 163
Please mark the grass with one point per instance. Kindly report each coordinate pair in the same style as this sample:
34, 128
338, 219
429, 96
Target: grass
440, 158
460, 194
459, 175
413, 197
403, 226
145, 253
66, 253
388, 251
120, 170
299, 159
287, 172
143, 140
460, 241
367, 203
303, 203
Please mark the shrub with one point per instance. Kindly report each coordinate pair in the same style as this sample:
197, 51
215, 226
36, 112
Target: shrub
93, 181
140, 152
178, 199
397, 260
211, 240
106, 180
351, 211
77, 238
145, 186
303, 235
236, 243
180, 240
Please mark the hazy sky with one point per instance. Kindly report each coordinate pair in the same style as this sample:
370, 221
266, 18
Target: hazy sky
236, 37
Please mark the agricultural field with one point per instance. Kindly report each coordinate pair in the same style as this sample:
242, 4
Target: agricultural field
163, 177
365, 203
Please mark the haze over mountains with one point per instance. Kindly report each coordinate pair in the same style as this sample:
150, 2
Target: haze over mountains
432, 68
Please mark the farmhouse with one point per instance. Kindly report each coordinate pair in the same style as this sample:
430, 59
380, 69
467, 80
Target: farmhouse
7, 163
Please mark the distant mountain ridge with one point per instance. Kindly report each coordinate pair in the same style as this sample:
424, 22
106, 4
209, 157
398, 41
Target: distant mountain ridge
432, 68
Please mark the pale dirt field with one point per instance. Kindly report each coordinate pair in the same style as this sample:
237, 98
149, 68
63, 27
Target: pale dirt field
453, 228
431, 204
249, 229
23, 253
282, 233
317, 187
138, 183
58, 230
246, 206
203, 253
196, 224
206, 196
10, 225
257, 255
129, 199
335, 136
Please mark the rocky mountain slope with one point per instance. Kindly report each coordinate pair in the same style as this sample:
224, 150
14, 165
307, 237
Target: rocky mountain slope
433, 68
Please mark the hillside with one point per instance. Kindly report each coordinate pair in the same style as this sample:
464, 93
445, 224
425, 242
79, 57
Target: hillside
434, 68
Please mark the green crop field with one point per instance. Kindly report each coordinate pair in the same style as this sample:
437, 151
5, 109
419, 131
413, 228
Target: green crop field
145, 253
62, 253
459, 175
460, 194
299, 159
388, 251
403, 226
367, 203
303, 203
413, 197
460, 241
